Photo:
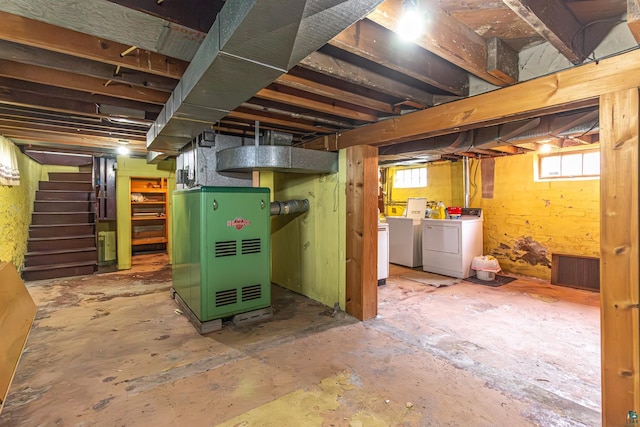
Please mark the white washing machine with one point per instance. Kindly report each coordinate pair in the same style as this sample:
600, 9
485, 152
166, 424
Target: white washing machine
405, 234
449, 245
383, 253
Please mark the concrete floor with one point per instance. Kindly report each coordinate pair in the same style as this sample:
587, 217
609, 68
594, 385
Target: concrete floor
110, 350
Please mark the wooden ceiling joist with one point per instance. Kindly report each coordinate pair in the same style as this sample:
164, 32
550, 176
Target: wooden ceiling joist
332, 91
37, 74
444, 36
556, 24
244, 114
59, 61
310, 104
370, 41
46, 36
343, 70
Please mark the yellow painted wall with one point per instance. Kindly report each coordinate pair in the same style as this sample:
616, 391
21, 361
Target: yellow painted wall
307, 250
128, 167
16, 206
444, 183
527, 221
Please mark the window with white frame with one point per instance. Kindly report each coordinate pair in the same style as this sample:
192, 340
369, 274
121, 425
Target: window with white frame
410, 178
571, 164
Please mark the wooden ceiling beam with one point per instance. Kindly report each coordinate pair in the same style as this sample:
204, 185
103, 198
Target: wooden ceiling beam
37, 74
310, 104
309, 86
58, 139
325, 64
46, 36
53, 98
571, 89
556, 24
17, 123
59, 61
377, 44
446, 37
633, 18
273, 119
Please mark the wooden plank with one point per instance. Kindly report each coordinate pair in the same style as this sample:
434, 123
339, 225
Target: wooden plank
46, 36
502, 60
311, 104
574, 88
17, 312
59, 61
274, 120
325, 64
619, 278
555, 23
633, 18
362, 233
444, 35
42, 75
334, 92
45, 97
377, 44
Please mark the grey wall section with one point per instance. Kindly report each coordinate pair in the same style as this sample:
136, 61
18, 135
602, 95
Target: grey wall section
201, 162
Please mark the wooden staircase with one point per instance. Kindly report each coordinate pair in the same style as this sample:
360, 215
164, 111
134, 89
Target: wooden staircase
62, 239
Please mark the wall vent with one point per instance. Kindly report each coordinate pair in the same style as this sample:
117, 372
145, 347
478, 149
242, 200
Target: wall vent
226, 297
575, 271
251, 246
251, 292
226, 248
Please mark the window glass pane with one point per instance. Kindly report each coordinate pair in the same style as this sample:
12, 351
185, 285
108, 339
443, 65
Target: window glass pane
591, 163
410, 178
571, 164
550, 166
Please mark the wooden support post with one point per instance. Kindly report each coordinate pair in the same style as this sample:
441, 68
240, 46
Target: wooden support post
362, 232
619, 280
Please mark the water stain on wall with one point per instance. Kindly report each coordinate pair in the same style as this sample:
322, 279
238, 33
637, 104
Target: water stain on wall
525, 249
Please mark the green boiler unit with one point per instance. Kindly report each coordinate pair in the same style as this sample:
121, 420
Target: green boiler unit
221, 262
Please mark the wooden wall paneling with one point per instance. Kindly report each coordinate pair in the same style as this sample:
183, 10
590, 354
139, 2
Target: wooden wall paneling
362, 232
619, 280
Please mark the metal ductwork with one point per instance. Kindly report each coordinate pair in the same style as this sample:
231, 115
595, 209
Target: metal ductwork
276, 158
250, 44
289, 207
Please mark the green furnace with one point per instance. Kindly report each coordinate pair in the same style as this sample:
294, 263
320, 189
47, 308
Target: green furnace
221, 263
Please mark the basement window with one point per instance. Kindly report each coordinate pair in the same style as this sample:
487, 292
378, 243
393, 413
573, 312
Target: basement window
568, 165
410, 178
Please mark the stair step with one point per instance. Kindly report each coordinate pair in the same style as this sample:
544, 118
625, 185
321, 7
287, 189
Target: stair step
65, 185
61, 256
63, 206
44, 231
66, 242
71, 176
42, 272
42, 195
66, 218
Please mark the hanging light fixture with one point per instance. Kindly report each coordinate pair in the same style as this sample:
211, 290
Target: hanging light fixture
411, 24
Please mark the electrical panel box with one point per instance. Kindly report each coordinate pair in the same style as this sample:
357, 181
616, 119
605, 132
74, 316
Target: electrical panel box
221, 262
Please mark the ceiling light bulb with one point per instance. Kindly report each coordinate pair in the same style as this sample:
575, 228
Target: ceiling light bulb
122, 150
545, 148
411, 23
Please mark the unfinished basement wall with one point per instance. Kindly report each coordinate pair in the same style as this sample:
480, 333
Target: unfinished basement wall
127, 168
526, 221
444, 183
16, 206
307, 250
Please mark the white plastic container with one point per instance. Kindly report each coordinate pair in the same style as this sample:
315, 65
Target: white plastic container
485, 275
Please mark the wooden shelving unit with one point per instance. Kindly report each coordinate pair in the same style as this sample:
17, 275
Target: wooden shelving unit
149, 211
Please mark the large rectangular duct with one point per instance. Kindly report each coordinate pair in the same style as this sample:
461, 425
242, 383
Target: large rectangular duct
250, 44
